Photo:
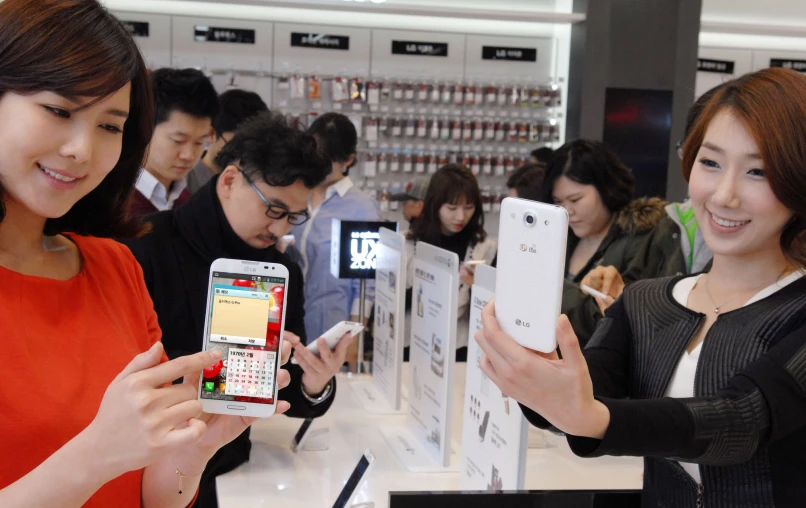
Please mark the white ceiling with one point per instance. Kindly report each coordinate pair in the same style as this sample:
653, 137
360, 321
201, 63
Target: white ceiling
784, 12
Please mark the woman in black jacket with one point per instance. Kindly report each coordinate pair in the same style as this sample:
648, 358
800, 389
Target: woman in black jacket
704, 375
607, 227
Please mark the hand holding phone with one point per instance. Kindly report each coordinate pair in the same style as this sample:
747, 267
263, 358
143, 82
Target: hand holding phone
334, 336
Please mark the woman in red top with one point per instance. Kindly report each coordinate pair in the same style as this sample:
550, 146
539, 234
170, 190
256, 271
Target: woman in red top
89, 416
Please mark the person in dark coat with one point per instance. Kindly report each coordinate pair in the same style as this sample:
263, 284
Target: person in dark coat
266, 162
607, 227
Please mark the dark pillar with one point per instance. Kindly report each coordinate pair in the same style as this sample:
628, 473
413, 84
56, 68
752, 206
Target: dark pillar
631, 82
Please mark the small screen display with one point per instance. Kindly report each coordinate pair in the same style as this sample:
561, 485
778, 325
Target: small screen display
245, 321
352, 483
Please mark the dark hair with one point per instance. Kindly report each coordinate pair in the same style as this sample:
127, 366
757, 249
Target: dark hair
771, 104
543, 155
592, 163
266, 145
527, 181
76, 48
336, 137
186, 90
235, 106
449, 184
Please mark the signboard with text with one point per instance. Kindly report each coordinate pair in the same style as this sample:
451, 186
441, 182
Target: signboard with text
420, 48
353, 248
509, 54
495, 432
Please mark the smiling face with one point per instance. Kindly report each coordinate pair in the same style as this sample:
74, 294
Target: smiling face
454, 217
737, 210
56, 153
177, 146
246, 211
588, 216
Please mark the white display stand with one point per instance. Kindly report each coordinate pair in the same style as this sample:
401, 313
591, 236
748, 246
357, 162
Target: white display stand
424, 443
382, 395
494, 434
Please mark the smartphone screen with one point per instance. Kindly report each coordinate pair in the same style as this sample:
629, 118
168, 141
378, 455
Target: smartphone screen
244, 324
352, 483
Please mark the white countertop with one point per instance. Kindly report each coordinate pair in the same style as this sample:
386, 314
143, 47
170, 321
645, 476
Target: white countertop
276, 476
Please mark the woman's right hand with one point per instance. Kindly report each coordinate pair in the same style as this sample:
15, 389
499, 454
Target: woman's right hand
607, 280
142, 417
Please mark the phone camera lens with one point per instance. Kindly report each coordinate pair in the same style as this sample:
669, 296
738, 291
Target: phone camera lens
529, 219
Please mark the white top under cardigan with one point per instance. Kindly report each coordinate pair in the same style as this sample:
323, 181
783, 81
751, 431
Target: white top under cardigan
682, 385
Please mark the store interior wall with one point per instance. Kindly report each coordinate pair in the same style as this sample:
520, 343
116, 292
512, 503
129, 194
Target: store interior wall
596, 46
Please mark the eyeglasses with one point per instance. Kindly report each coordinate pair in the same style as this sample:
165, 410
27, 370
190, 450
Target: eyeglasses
277, 212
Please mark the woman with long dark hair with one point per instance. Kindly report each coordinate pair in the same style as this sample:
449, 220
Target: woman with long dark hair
453, 219
703, 375
89, 413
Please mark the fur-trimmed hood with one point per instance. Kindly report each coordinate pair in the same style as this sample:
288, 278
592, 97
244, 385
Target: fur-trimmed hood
641, 215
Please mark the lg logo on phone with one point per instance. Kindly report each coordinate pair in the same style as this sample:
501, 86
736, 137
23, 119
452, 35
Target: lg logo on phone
531, 250
524, 324
248, 269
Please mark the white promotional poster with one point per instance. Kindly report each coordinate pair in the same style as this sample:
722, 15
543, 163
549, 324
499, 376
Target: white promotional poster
432, 361
382, 394
494, 434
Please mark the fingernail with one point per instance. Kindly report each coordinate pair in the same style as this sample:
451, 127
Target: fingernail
216, 354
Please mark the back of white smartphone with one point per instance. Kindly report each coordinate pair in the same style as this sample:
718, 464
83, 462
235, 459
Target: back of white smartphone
531, 268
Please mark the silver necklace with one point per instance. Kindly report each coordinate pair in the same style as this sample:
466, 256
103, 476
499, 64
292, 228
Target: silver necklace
754, 290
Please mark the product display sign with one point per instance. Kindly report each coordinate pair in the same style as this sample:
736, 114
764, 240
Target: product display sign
510, 54
137, 28
320, 41
717, 66
795, 65
390, 305
204, 33
495, 432
419, 48
353, 248
433, 348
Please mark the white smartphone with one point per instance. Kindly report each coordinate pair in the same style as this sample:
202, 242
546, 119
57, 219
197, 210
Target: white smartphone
245, 319
334, 336
531, 268
357, 477
594, 293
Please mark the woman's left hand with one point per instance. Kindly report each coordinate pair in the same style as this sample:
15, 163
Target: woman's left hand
222, 429
560, 390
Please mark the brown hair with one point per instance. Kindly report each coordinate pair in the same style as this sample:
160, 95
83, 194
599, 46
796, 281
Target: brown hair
450, 184
771, 103
76, 48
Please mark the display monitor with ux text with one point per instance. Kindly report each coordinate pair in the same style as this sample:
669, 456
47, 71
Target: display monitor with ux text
245, 322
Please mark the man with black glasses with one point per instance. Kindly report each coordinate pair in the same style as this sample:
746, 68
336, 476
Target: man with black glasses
268, 171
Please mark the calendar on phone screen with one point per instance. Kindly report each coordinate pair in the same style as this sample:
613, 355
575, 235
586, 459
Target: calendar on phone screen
250, 373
